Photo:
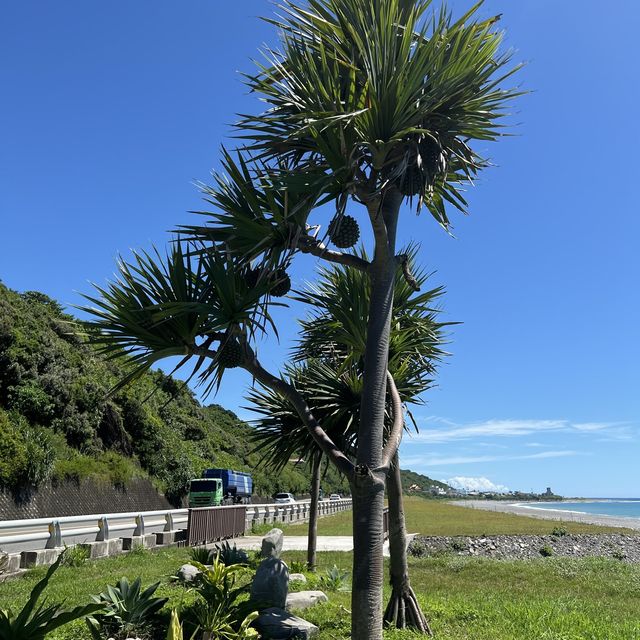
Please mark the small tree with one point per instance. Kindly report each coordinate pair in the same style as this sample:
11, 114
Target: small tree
331, 350
372, 100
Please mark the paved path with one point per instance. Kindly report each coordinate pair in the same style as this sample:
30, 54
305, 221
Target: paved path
299, 543
548, 514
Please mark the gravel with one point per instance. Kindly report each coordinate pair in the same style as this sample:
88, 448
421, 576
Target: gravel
619, 546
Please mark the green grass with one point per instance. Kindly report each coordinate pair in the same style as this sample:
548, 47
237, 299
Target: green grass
464, 598
437, 518
476, 599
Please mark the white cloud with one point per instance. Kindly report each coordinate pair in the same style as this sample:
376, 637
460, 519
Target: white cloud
444, 460
503, 428
475, 484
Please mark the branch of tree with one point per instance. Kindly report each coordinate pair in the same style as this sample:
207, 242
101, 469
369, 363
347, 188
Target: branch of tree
395, 436
253, 366
330, 449
309, 244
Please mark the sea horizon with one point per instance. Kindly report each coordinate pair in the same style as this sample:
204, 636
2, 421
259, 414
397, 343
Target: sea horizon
618, 507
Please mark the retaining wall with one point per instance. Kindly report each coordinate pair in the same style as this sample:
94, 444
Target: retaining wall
71, 498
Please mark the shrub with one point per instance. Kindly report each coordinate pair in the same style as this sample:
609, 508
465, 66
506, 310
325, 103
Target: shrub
75, 556
200, 554
127, 609
458, 545
229, 555
298, 567
221, 613
418, 549
546, 551
335, 579
26, 454
558, 532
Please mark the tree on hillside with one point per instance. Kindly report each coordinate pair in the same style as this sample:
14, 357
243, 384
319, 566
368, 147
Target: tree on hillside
371, 101
330, 354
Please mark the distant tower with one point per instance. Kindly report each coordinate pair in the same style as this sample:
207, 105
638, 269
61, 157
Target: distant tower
548, 492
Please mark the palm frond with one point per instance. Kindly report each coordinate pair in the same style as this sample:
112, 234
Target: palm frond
357, 86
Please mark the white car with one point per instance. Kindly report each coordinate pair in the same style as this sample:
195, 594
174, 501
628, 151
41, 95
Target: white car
284, 498
334, 497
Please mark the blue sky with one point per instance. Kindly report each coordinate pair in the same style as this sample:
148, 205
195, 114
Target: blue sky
110, 112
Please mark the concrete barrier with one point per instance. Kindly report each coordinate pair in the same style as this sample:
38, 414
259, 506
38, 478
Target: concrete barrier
102, 534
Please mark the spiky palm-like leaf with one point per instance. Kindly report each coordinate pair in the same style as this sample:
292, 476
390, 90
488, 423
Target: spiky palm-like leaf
161, 306
356, 85
259, 210
335, 398
37, 619
337, 324
330, 362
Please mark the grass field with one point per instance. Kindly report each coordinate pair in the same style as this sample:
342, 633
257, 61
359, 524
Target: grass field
437, 518
464, 598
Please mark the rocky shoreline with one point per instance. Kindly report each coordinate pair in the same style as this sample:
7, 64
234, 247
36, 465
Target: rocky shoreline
528, 547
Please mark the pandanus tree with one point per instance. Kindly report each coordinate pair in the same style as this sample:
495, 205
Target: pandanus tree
369, 104
330, 357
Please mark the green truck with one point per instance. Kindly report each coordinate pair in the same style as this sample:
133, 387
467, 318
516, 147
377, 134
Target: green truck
220, 486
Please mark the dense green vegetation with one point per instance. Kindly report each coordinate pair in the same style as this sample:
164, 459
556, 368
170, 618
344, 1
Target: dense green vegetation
57, 420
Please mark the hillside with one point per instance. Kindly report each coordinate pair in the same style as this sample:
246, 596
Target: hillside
413, 479
57, 421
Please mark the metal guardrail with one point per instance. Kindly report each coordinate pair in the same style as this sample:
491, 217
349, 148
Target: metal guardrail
100, 527
49, 533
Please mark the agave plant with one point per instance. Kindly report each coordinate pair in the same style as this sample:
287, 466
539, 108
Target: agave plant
200, 554
229, 555
127, 609
38, 618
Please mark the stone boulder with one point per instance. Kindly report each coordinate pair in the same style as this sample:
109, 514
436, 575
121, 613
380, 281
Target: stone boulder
297, 577
271, 583
272, 544
188, 573
305, 599
278, 624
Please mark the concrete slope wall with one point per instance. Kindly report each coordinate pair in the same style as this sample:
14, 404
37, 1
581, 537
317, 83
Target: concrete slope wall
71, 498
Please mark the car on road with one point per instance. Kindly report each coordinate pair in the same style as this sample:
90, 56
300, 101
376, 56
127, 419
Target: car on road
334, 497
284, 498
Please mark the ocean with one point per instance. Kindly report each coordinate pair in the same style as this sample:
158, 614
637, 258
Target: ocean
620, 508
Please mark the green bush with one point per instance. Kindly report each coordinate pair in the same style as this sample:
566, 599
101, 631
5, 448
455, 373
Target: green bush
26, 454
126, 610
229, 555
335, 579
546, 551
222, 612
200, 554
75, 556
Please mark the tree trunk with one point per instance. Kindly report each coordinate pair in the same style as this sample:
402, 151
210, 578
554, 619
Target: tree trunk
368, 481
403, 609
313, 516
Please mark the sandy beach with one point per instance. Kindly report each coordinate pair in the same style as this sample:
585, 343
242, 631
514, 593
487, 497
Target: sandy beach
545, 514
